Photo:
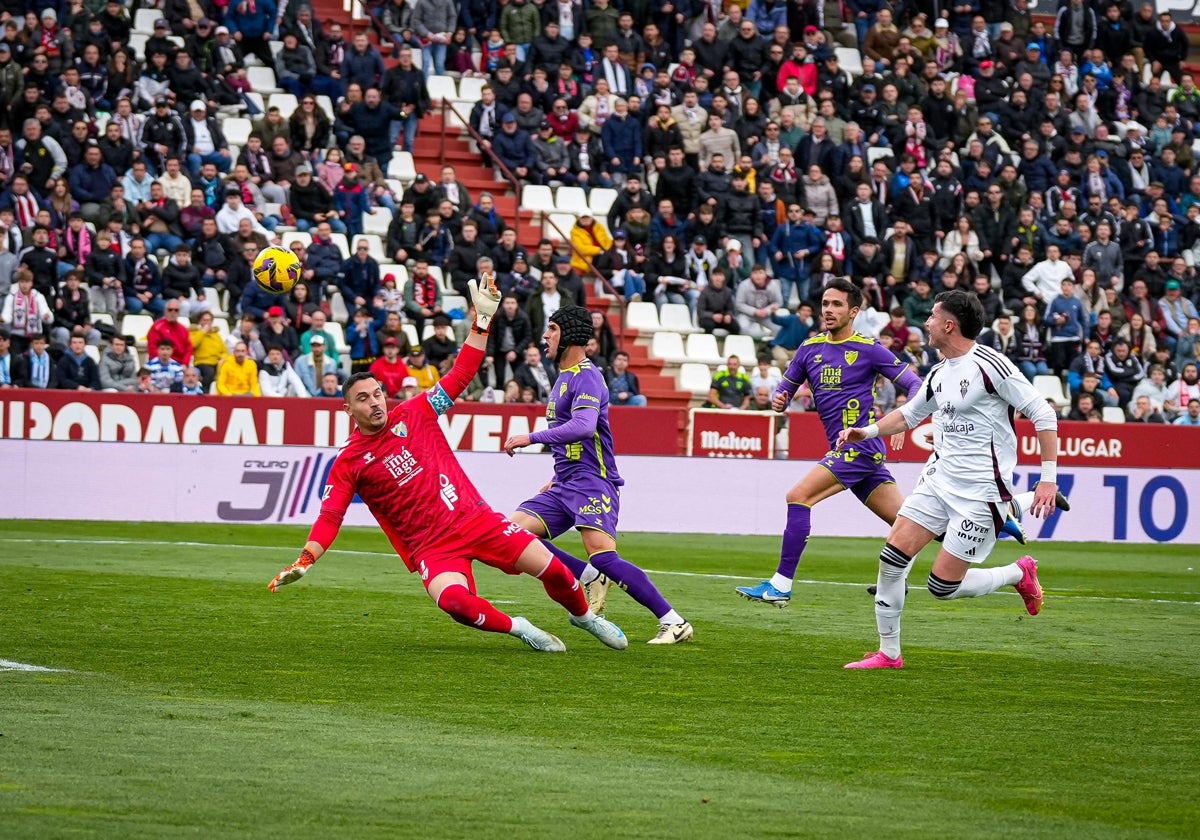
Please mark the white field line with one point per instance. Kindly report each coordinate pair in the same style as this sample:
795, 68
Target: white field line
187, 544
9, 665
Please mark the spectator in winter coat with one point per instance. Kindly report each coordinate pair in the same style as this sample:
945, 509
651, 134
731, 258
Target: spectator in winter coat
362, 65
622, 139
1068, 325
756, 301
515, 149
76, 370
715, 308
118, 367
277, 378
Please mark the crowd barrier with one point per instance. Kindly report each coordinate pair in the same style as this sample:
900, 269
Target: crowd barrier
283, 484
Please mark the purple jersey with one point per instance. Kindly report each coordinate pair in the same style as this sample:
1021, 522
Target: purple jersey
581, 388
841, 375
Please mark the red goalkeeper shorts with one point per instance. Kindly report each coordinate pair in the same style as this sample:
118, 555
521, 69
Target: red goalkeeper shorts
491, 538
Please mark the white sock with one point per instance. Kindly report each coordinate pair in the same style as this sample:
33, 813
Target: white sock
889, 600
781, 583
589, 574
671, 617
983, 581
1020, 504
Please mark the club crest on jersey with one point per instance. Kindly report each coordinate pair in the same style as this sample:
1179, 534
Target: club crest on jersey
963, 385
851, 357
400, 429
562, 389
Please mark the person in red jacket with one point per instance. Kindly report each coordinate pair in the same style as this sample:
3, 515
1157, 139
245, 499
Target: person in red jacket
168, 328
390, 369
800, 66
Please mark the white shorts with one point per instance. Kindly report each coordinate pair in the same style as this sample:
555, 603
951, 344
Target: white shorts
971, 526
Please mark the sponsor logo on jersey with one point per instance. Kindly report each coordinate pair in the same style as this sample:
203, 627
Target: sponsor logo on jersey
449, 491
851, 357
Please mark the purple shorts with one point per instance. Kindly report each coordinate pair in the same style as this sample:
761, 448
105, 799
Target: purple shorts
859, 472
588, 503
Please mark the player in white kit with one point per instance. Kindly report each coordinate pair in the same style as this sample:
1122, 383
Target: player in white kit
974, 394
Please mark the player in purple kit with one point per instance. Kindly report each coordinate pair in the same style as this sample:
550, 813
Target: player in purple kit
585, 491
840, 367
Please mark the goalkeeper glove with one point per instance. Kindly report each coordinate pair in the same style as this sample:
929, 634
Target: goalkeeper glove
486, 298
293, 572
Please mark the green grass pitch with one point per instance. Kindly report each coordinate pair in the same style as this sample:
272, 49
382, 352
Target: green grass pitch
196, 704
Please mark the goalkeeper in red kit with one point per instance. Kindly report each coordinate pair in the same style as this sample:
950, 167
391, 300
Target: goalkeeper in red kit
400, 464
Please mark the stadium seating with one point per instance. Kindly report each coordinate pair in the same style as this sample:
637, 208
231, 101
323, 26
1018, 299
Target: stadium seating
410, 331
138, 327
668, 346
677, 317
262, 79
743, 347
377, 223
601, 200
470, 89
537, 198
236, 130
286, 239
143, 20
642, 316
440, 87
570, 200
849, 60
1051, 387
695, 377
702, 348
285, 102
557, 226
401, 167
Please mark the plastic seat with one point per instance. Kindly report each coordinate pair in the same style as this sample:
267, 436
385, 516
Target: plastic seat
339, 337
557, 226
137, 326
571, 200
743, 347
262, 79
677, 317
340, 240
601, 200
668, 346
1113, 414
286, 239
137, 41
337, 308
401, 167
285, 102
143, 20
222, 326
470, 89
702, 348
410, 330
875, 153
642, 316
443, 280
695, 377
236, 130
537, 198
326, 105
375, 244
102, 318
1051, 388
849, 60
441, 87
377, 223
92, 353
400, 272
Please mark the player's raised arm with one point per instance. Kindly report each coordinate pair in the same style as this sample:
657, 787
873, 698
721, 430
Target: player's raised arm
486, 298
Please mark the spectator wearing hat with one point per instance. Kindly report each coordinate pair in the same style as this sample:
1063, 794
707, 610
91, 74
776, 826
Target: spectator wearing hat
163, 135
350, 201
1177, 310
390, 369
589, 239
552, 158
420, 367
277, 332
515, 149
314, 366
311, 203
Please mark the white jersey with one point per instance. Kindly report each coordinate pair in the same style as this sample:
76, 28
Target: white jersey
974, 399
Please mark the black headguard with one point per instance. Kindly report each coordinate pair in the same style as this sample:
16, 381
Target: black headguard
575, 324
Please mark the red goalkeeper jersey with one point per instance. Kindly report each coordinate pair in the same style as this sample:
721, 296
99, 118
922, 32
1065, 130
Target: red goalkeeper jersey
407, 474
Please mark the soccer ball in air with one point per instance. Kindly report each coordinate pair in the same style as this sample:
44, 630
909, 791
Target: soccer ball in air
277, 270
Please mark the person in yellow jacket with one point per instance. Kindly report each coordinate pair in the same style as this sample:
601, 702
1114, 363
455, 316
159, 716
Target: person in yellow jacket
238, 374
590, 239
422, 369
208, 349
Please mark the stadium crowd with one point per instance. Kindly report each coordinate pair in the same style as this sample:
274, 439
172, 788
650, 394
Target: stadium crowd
757, 151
